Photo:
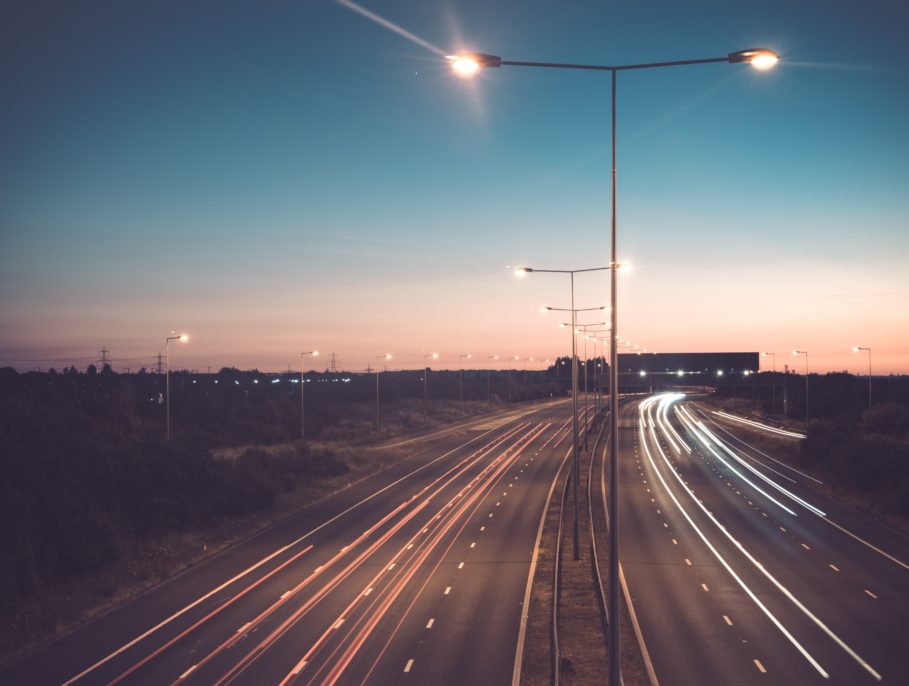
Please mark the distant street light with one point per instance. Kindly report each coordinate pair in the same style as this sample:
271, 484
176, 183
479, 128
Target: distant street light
488, 377
182, 338
426, 356
387, 356
461, 358
314, 353
802, 352
859, 348
520, 271
469, 64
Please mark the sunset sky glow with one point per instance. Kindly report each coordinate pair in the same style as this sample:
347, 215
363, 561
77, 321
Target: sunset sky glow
273, 177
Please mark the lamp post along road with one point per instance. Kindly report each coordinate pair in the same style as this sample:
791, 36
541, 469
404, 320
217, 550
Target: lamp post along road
314, 353
426, 356
470, 64
379, 357
182, 338
576, 551
461, 358
857, 349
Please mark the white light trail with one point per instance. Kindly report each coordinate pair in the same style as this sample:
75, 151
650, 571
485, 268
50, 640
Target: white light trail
391, 26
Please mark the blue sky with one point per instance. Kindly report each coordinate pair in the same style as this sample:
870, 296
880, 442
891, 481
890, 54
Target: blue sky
274, 176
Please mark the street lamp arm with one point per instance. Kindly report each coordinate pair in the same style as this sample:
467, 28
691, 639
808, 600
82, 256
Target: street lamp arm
566, 271
603, 67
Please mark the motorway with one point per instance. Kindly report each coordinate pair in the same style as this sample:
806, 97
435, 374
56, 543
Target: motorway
416, 575
742, 572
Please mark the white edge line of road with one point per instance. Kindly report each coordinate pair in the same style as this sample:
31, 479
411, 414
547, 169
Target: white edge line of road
224, 585
645, 655
525, 607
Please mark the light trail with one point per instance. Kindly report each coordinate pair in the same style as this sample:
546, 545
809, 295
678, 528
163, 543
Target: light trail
391, 26
647, 404
758, 425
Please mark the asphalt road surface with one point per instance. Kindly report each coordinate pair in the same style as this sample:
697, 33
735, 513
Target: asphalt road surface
416, 575
740, 571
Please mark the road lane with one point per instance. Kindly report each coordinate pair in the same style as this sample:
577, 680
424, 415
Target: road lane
343, 591
780, 574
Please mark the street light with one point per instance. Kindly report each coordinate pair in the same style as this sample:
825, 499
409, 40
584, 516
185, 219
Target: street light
859, 348
314, 353
182, 338
426, 356
461, 358
386, 356
576, 550
488, 375
803, 352
470, 64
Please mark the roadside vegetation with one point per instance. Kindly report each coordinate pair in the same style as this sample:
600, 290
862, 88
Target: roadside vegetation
96, 505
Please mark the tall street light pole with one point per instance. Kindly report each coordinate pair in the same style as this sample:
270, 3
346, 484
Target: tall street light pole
488, 378
387, 356
803, 352
859, 348
576, 467
314, 353
461, 358
426, 356
467, 65
182, 338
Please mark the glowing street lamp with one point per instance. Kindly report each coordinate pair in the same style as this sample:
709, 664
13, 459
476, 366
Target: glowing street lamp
314, 353
387, 356
183, 338
469, 65
857, 349
797, 353
461, 358
426, 356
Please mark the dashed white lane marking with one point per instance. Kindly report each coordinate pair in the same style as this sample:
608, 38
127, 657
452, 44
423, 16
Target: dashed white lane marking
658, 512
408, 665
674, 542
490, 514
706, 590
242, 628
757, 663
687, 562
338, 623
871, 594
367, 591
482, 528
498, 503
285, 594
782, 529
652, 500
345, 548
391, 566
430, 622
727, 620
461, 566
447, 590
805, 546
665, 525
187, 672
409, 546
764, 513
473, 545
299, 668
833, 567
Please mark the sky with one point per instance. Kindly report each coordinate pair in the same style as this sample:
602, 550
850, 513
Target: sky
274, 176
